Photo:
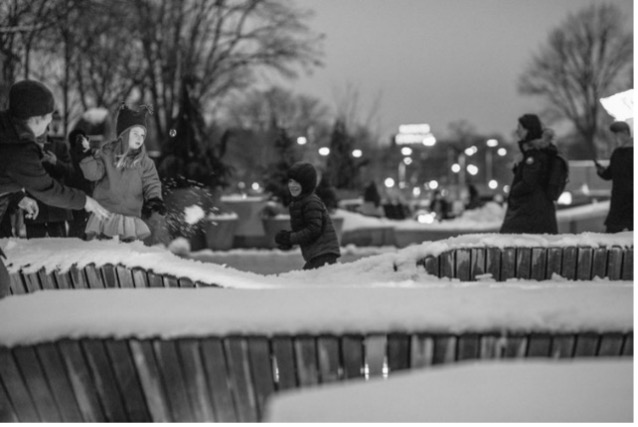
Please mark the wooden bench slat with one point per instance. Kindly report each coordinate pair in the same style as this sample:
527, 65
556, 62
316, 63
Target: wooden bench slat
285, 361
127, 379
515, 346
539, 263
154, 280
328, 358
124, 276
431, 264
628, 345
170, 281
584, 263
78, 278
447, 263
628, 264
185, 282
614, 263
173, 381
610, 345
241, 385
62, 390
463, 265
17, 285
493, 263
570, 257
47, 280
104, 378
524, 263
21, 401
214, 362
539, 345
586, 345
94, 278
139, 278
477, 263
7, 413
508, 264
352, 356
554, 262
109, 276
469, 346
81, 381
563, 346
375, 354
444, 349
421, 351
63, 279
195, 380
261, 367
32, 282
599, 263
306, 359
36, 383
149, 375
398, 352
492, 347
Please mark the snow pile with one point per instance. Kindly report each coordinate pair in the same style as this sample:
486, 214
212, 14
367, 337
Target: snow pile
193, 214
434, 306
485, 391
355, 221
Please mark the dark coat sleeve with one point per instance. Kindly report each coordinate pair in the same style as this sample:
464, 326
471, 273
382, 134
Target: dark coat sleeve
151, 183
607, 174
27, 171
532, 175
312, 213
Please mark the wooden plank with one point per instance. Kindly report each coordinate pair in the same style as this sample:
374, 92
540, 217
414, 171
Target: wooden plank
286, 375
421, 351
554, 262
328, 358
21, 401
477, 263
214, 362
46, 279
444, 349
17, 285
127, 380
628, 345
149, 375
83, 385
469, 346
614, 263
154, 280
124, 276
109, 276
62, 390
508, 263
32, 282
515, 346
93, 276
628, 264
170, 281
398, 352
63, 279
431, 264
539, 345
139, 278
584, 263
7, 413
563, 346
492, 346
493, 262
524, 263
586, 345
375, 354
195, 380
352, 356
174, 385
306, 359
104, 378
262, 373
240, 380
78, 278
599, 263
570, 259
185, 282
610, 344
463, 263
539, 263
36, 383
447, 263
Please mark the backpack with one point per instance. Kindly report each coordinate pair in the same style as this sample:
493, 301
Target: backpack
558, 176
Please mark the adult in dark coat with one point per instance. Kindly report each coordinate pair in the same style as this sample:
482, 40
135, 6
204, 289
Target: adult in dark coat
621, 173
30, 111
529, 208
312, 228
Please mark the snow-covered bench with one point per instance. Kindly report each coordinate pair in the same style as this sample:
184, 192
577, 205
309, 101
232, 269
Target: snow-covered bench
210, 354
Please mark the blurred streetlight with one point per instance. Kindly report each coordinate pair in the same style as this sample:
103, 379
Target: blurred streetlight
470, 151
501, 152
389, 182
456, 168
434, 184
357, 153
493, 184
492, 143
472, 169
407, 160
324, 151
301, 140
406, 151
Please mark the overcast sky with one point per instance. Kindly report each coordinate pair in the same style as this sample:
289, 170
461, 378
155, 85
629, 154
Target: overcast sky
434, 61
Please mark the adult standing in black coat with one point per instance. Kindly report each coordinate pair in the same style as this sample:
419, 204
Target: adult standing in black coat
529, 208
621, 173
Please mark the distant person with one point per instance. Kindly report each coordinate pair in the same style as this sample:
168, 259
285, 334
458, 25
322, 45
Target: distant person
312, 228
126, 181
529, 207
621, 173
439, 206
30, 111
371, 201
473, 198
56, 160
77, 141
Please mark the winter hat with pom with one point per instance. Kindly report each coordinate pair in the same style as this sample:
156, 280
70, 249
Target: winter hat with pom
305, 174
616, 127
30, 98
532, 123
127, 118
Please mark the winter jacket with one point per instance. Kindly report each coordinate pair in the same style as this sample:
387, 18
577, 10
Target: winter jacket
121, 190
21, 168
312, 227
61, 171
529, 208
621, 173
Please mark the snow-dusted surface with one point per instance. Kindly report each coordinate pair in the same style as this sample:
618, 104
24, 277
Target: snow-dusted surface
504, 391
434, 307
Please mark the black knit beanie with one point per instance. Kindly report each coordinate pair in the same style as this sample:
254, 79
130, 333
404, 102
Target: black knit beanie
305, 174
532, 123
127, 118
30, 98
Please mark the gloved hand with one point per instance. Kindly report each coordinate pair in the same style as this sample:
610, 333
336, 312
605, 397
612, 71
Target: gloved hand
282, 239
154, 205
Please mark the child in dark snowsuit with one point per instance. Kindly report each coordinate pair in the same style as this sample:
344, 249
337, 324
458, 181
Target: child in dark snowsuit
311, 225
